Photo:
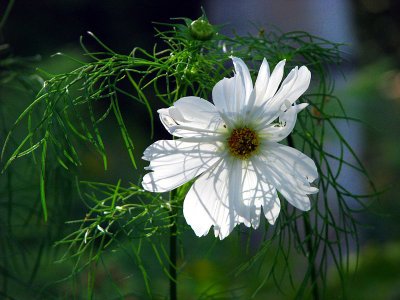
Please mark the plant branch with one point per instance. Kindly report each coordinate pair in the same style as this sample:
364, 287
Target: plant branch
172, 252
310, 249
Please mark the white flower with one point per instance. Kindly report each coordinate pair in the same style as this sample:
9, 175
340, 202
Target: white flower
232, 148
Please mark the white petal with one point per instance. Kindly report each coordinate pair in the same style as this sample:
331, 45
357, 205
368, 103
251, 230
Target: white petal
295, 197
196, 111
191, 116
272, 207
207, 203
261, 84
288, 176
175, 162
264, 109
235, 190
301, 85
274, 80
277, 132
300, 164
243, 77
256, 193
232, 95
223, 94
276, 102
294, 85
166, 119
231, 193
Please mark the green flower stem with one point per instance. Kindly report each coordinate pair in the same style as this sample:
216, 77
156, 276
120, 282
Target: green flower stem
6, 13
311, 256
310, 249
172, 250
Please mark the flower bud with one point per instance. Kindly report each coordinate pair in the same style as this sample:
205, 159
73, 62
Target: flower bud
201, 30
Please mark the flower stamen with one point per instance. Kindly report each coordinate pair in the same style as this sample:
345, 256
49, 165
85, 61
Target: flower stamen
243, 142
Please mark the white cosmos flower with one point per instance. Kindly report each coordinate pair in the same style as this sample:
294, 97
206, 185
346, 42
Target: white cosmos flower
232, 148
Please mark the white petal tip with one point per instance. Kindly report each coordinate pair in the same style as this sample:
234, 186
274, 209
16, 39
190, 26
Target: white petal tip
149, 184
305, 206
301, 106
200, 233
163, 111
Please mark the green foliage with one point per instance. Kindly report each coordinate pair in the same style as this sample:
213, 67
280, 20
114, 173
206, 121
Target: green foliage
70, 107
376, 274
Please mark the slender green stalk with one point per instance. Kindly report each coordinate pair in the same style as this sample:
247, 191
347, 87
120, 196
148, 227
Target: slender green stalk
311, 257
6, 13
172, 252
309, 245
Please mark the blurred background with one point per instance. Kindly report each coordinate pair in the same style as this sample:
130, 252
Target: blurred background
368, 83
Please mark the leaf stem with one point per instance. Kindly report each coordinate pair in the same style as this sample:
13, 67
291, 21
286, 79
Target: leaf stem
311, 257
172, 251
310, 249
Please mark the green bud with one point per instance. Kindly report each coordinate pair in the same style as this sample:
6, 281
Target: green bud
201, 30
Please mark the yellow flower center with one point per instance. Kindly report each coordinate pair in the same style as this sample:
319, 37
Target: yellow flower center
243, 142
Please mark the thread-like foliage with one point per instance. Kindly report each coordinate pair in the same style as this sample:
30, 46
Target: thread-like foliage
65, 115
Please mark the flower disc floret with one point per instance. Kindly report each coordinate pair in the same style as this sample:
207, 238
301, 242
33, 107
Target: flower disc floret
243, 142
